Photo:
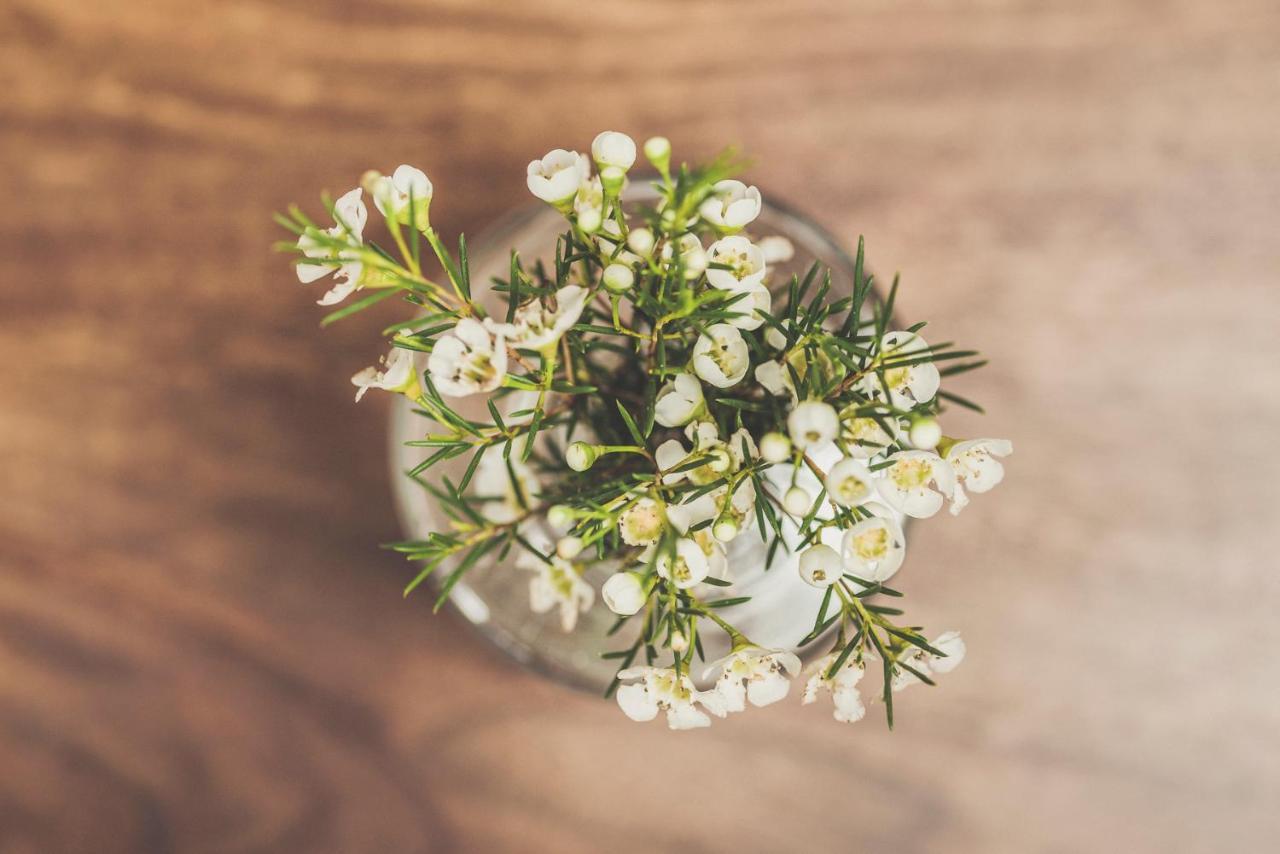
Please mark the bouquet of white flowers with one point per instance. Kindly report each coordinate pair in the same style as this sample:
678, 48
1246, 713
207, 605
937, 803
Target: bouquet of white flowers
651, 395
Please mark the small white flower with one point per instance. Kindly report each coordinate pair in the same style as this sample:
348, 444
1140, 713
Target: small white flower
687, 567
865, 437
557, 584
720, 357
397, 374
777, 249
731, 205
775, 378
750, 309
775, 447
392, 195
745, 262
679, 401
469, 360
558, 177
717, 457
504, 487
660, 689
908, 385
642, 523
535, 327
820, 566
611, 148
624, 593
843, 686
692, 255
874, 548
812, 423
949, 643
755, 674
775, 337
849, 483
916, 482
976, 467
351, 216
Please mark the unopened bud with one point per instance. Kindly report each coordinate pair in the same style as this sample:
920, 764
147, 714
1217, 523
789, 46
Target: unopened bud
658, 150
725, 530
560, 517
611, 180
640, 241
589, 221
775, 448
580, 456
618, 278
925, 433
797, 501
569, 547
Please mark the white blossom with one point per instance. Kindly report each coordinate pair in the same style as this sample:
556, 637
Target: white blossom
874, 548
753, 673
908, 385
536, 327
397, 374
843, 686
588, 204
469, 360
720, 356
976, 467
611, 148
916, 482
812, 423
393, 195
351, 215
863, 436
642, 523
731, 205
849, 483
749, 310
820, 566
558, 177
775, 378
557, 584
624, 593
745, 262
718, 456
612, 244
679, 401
949, 643
692, 255
661, 689
687, 567
777, 249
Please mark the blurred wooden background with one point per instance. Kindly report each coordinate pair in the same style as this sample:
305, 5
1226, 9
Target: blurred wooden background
201, 649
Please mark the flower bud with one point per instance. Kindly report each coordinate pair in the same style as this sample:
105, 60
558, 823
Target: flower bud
797, 501
580, 456
812, 423
679, 642
569, 547
775, 447
611, 179
725, 530
925, 433
640, 241
624, 593
658, 150
590, 221
560, 517
820, 566
612, 148
618, 278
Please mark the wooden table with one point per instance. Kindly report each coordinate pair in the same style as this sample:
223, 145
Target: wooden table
201, 649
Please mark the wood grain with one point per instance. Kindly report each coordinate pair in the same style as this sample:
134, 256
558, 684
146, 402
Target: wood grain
200, 647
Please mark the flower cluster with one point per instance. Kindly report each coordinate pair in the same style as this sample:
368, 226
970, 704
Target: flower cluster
656, 391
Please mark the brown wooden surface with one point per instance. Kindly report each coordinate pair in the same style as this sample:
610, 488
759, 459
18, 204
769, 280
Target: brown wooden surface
200, 647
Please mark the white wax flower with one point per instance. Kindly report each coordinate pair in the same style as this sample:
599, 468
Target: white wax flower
661, 689
753, 673
692, 255
624, 593
949, 643
351, 216
916, 482
775, 447
393, 195
611, 148
679, 401
469, 360
642, 523
849, 483
504, 488
731, 205
976, 467
687, 567
558, 177
720, 356
588, 204
557, 584
750, 309
843, 687
775, 378
777, 249
812, 423
536, 327
745, 261
820, 566
874, 548
717, 456
908, 385
397, 374
865, 437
